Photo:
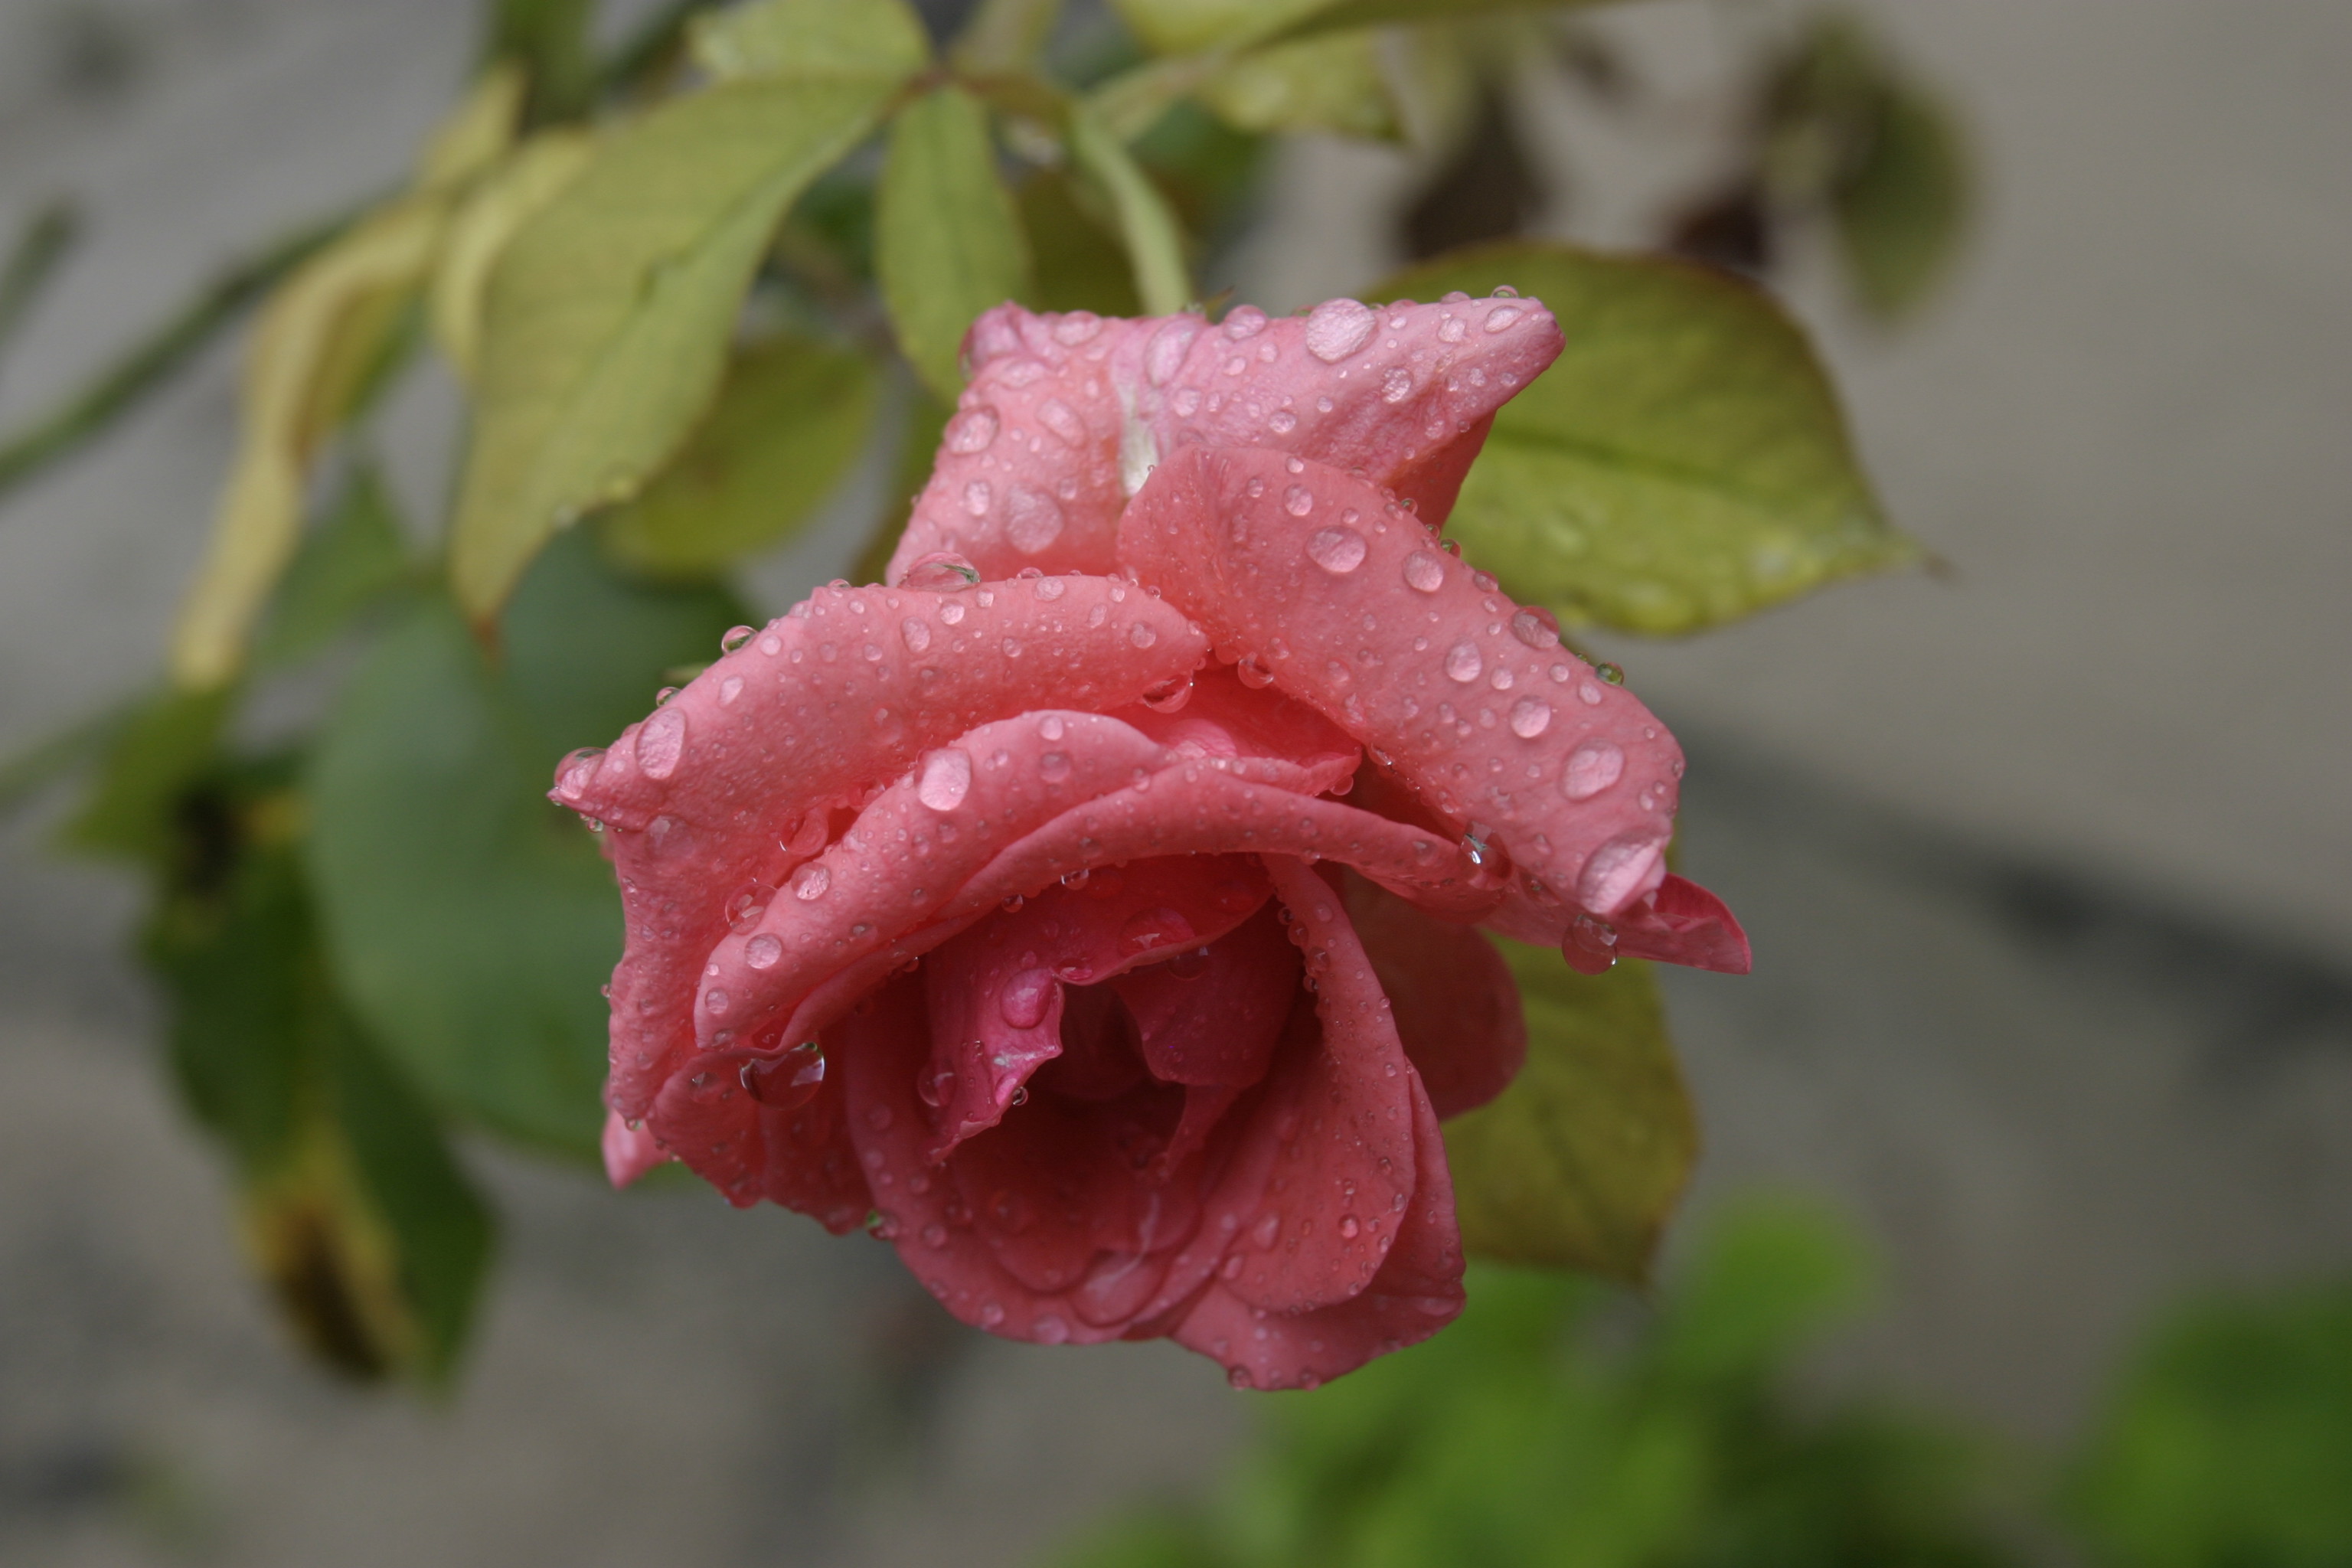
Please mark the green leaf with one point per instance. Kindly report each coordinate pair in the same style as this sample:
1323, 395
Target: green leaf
609, 314
1181, 26
809, 40
1332, 83
1005, 36
1684, 463
1902, 211
948, 239
2228, 1440
1147, 223
1580, 1162
157, 750
471, 922
368, 1232
349, 562
790, 421
919, 443
1341, 14
1077, 262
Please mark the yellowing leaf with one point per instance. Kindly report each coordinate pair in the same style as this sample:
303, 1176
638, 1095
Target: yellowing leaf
948, 241
1333, 83
1577, 1163
789, 424
1147, 223
809, 40
477, 134
609, 313
488, 219
321, 334
1682, 463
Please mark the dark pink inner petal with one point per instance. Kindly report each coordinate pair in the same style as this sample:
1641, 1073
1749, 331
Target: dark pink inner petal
1685, 923
996, 992
1455, 1005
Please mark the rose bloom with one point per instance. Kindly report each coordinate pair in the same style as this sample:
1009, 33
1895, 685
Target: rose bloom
1092, 909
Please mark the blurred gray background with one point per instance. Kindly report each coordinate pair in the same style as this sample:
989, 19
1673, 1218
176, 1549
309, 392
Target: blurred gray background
2046, 862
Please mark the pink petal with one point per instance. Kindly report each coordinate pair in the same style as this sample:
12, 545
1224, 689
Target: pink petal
1685, 923
629, 1150
1220, 717
1351, 604
1455, 1005
994, 993
696, 826
1066, 414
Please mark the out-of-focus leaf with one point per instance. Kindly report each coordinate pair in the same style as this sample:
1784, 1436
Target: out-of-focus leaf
2228, 1440
1684, 463
489, 217
318, 342
1486, 190
1341, 14
353, 1211
1076, 263
154, 753
1148, 224
810, 40
477, 133
549, 41
1901, 213
1332, 83
947, 241
27, 770
1005, 36
791, 419
1580, 1162
347, 562
919, 443
1181, 26
469, 921
609, 312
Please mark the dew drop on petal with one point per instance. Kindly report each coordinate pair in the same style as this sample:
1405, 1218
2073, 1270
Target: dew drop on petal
915, 632
1592, 768
947, 779
1147, 930
1424, 570
1032, 520
1298, 501
1025, 998
941, 572
762, 952
1049, 1329
1054, 768
1050, 727
1245, 321
661, 741
1502, 317
1337, 550
715, 1003
971, 431
729, 690
736, 638
1396, 385
1058, 416
1337, 328
1141, 635
1609, 673
1464, 662
1530, 716
1536, 627
810, 882
1253, 674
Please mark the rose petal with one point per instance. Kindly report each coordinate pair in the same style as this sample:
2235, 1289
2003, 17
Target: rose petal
1212, 1016
1685, 923
1573, 777
995, 992
1455, 1005
629, 1150
1065, 415
691, 799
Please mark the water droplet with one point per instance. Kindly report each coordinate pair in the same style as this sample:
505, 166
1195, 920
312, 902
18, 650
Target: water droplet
1282, 422
1298, 501
943, 572
1165, 356
661, 741
1032, 520
1424, 570
736, 638
1025, 998
762, 952
1590, 945
977, 497
1464, 662
1049, 1329
1337, 328
1501, 318
1245, 321
1058, 416
715, 1003
1504, 291
577, 771
992, 1313
936, 1085
971, 431
1054, 768
947, 779
1337, 550
1452, 330
1169, 696
1530, 716
1141, 635
1148, 930
664, 695
1536, 627
1349, 1226
1266, 1231
916, 633
1050, 727
1592, 768
1609, 673
1239, 1377
791, 1080
1396, 385
1253, 674
1076, 327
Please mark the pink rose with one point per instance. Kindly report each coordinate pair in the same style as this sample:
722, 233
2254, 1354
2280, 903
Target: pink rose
1093, 905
